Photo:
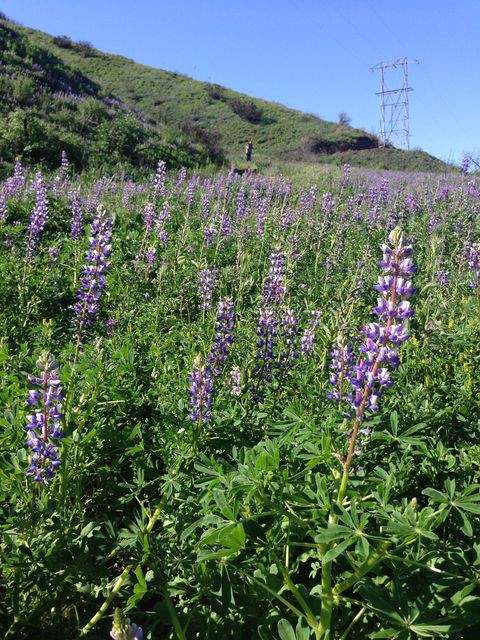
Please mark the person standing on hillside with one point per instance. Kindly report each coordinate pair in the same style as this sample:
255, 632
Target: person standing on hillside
249, 151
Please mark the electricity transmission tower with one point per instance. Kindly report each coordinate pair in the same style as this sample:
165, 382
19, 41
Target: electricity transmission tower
394, 117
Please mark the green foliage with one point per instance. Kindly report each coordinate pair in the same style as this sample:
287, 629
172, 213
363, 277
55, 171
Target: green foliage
238, 529
47, 107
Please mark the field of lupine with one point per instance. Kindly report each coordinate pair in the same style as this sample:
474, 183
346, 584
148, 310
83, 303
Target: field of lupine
237, 407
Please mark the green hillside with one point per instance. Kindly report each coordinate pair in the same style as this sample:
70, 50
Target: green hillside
190, 105
46, 106
179, 116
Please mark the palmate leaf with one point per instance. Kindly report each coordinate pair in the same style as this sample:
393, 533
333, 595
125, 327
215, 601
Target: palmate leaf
403, 438
383, 608
405, 615
468, 502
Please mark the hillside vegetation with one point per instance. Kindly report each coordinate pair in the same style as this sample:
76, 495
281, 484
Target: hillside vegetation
46, 106
141, 114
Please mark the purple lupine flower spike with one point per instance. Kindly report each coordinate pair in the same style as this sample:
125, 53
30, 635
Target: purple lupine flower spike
191, 192
204, 372
274, 290
160, 177
441, 278
63, 166
93, 281
223, 338
150, 257
307, 340
342, 362
149, 216
3, 205
16, 183
44, 425
235, 381
288, 330
201, 391
473, 257
205, 288
182, 174
369, 374
265, 355
38, 219
76, 228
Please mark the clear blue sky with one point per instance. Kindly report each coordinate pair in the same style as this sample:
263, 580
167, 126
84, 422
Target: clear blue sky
312, 55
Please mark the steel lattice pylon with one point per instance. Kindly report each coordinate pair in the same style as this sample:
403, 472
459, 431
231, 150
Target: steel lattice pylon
394, 115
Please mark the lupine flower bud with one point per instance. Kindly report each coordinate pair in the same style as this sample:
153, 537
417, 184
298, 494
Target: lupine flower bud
123, 629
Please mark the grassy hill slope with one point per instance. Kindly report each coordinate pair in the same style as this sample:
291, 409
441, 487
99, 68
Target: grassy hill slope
47, 106
216, 121
188, 104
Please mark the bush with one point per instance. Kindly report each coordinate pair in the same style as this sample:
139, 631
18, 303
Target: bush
85, 47
118, 139
215, 91
247, 110
209, 139
63, 41
344, 119
23, 90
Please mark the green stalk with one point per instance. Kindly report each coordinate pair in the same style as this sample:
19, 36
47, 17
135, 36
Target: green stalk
327, 591
121, 579
374, 558
353, 623
173, 615
103, 609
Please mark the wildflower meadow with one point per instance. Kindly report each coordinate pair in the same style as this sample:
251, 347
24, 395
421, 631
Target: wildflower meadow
239, 406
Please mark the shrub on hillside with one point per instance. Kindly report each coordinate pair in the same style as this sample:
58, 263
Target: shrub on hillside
63, 41
84, 47
209, 139
215, 91
247, 110
23, 90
